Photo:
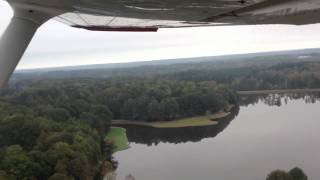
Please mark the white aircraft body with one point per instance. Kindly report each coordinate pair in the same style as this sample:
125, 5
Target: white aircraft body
143, 16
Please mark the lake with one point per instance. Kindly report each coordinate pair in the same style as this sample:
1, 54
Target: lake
265, 133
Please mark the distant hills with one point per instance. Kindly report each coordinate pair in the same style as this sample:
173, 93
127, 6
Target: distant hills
303, 54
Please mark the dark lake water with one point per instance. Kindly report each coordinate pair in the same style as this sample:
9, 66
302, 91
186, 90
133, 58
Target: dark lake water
265, 133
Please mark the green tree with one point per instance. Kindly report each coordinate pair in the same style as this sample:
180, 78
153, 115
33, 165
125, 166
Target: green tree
60, 176
279, 175
58, 114
169, 108
5, 176
102, 111
17, 163
298, 174
154, 110
19, 129
128, 109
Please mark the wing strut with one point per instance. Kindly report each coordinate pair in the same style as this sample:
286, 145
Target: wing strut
16, 39
13, 43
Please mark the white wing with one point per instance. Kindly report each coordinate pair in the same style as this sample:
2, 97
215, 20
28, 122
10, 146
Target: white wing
140, 14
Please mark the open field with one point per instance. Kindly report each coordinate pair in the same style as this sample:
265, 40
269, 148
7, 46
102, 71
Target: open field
185, 122
118, 137
277, 91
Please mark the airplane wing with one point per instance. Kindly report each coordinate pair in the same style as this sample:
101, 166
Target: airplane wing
149, 15
143, 16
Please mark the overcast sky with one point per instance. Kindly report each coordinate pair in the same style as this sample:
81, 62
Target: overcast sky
56, 44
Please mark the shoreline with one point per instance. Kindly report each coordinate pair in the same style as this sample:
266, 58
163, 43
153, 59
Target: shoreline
279, 91
205, 120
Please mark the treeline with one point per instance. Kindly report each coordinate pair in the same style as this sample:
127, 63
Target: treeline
130, 99
297, 75
260, 73
158, 100
278, 99
294, 174
171, 67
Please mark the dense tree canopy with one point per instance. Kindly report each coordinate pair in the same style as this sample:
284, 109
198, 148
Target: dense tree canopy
54, 129
45, 136
92, 100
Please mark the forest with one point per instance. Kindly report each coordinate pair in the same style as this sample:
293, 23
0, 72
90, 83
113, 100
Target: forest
53, 124
55, 129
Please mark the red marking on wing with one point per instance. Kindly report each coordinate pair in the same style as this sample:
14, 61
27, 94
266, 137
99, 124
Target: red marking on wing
122, 29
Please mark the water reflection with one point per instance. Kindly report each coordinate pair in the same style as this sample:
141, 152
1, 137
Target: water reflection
278, 99
153, 136
264, 136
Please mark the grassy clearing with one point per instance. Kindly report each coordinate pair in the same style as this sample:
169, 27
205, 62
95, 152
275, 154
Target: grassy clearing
118, 137
185, 122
